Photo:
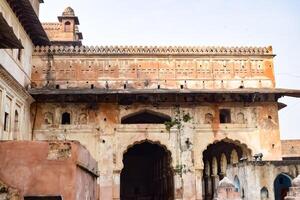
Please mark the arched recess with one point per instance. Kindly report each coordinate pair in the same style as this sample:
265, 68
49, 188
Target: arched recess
234, 157
48, 118
147, 172
145, 117
264, 193
237, 184
282, 183
223, 164
66, 118
67, 26
221, 150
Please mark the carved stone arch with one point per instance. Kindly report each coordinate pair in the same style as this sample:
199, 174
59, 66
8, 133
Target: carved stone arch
264, 193
150, 157
208, 118
218, 153
122, 149
48, 118
244, 151
82, 118
145, 116
64, 111
67, 26
240, 118
281, 185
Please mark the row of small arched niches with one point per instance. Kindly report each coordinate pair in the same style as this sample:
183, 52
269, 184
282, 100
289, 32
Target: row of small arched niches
281, 185
224, 117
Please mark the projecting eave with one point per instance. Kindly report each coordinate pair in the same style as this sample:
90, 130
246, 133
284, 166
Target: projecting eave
8, 39
30, 21
278, 91
217, 95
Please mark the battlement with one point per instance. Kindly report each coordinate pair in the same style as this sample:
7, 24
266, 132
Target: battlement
154, 50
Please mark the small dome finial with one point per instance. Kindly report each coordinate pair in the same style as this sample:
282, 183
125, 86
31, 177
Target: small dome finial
68, 12
296, 181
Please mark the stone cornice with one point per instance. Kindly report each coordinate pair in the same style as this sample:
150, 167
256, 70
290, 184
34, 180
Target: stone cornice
154, 50
11, 82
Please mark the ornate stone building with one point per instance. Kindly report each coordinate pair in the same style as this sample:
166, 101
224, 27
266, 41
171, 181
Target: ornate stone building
164, 122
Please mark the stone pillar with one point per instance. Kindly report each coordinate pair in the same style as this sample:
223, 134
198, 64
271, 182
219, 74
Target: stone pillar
199, 184
106, 188
226, 191
178, 187
208, 186
294, 192
215, 182
188, 169
116, 184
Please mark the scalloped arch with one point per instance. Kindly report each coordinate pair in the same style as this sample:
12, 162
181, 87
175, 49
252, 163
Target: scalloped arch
246, 150
158, 143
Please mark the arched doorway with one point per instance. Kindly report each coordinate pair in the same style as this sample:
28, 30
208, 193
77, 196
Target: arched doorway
147, 173
216, 158
281, 186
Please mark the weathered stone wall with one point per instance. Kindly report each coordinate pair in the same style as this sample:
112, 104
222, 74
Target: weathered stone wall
148, 68
48, 168
99, 128
20, 69
253, 176
15, 76
97, 125
290, 148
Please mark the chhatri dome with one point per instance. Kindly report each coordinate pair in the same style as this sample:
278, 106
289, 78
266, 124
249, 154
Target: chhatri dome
68, 12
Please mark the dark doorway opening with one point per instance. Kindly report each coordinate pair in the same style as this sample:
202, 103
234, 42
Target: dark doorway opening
281, 186
146, 117
147, 173
216, 158
66, 118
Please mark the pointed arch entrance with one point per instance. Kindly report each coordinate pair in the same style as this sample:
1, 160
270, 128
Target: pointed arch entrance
282, 183
147, 173
216, 158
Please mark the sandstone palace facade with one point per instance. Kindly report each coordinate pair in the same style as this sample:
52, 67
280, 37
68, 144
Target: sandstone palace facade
136, 123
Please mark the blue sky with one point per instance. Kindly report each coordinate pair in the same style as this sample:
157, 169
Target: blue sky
198, 22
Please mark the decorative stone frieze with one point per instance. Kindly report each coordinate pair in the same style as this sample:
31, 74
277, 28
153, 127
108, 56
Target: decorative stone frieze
153, 50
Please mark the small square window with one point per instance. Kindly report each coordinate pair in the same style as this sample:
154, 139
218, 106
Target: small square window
225, 116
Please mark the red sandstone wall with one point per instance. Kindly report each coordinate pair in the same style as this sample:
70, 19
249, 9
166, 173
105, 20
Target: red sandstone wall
290, 148
70, 68
27, 167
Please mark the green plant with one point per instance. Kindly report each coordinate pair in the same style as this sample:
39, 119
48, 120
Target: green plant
186, 117
177, 121
173, 122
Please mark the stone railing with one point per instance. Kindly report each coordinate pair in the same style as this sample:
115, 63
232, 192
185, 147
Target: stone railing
153, 50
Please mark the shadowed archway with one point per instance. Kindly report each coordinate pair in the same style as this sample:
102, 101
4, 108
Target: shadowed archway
216, 158
147, 173
281, 186
145, 117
